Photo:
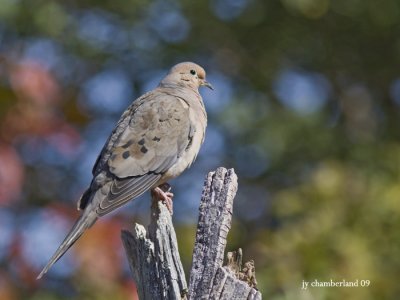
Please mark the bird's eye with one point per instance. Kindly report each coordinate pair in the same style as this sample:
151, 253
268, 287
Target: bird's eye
193, 72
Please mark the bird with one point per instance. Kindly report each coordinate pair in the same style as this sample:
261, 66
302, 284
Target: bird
157, 137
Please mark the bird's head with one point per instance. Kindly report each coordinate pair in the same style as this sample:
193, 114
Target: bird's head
187, 74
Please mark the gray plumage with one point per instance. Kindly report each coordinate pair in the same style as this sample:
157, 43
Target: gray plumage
156, 139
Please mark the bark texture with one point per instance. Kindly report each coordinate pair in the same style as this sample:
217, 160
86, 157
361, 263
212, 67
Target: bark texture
208, 278
154, 258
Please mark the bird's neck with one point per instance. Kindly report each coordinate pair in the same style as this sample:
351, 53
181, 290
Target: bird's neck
185, 93
179, 88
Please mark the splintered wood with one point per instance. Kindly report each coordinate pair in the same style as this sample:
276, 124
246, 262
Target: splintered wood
154, 258
208, 278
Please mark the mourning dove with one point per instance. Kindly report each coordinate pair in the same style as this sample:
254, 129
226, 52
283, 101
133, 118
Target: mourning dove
155, 140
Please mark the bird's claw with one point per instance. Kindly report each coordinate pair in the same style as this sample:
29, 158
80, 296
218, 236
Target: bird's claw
162, 193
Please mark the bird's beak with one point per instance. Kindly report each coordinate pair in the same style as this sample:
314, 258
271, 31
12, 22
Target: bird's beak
207, 84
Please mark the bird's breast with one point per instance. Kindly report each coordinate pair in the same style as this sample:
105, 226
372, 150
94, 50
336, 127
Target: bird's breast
198, 119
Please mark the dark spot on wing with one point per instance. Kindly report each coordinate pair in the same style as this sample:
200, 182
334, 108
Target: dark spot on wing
125, 155
129, 143
156, 139
143, 149
189, 144
141, 142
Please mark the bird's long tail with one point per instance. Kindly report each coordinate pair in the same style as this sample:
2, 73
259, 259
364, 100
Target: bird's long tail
87, 219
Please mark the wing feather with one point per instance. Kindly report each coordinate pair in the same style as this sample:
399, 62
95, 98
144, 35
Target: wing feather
133, 187
144, 146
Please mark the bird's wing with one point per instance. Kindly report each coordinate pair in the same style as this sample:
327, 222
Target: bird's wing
115, 135
157, 134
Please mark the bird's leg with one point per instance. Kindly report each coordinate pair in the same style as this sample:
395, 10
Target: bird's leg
163, 193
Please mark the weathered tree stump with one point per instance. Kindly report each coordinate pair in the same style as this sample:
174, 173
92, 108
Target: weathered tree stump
154, 257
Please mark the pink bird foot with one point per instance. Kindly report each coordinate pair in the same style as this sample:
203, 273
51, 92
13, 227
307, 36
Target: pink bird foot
162, 193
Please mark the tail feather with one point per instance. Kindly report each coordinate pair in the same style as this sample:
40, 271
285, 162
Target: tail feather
83, 223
